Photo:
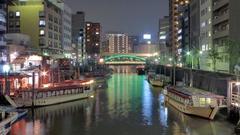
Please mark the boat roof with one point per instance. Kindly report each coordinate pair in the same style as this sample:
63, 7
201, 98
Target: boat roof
190, 91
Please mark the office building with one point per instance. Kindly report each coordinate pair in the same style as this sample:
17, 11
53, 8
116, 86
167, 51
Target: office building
78, 35
93, 38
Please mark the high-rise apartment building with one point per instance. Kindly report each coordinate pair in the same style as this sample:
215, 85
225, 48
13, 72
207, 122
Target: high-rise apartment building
93, 38
226, 33
67, 30
3, 47
118, 43
205, 39
42, 21
175, 17
78, 35
163, 35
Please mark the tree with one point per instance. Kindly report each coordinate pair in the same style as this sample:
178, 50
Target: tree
233, 49
214, 56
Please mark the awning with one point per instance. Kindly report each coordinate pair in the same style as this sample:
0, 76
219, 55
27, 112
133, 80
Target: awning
14, 76
19, 60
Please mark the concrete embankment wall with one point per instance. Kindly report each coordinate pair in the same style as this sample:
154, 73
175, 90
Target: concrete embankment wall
209, 81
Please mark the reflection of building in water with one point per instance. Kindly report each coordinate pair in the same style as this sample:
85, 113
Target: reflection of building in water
123, 92
147, 104
53, 113
163, 111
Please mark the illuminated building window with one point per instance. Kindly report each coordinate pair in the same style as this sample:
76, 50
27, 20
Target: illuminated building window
203, 24
209, 34
42, 33
18, 14
42, 23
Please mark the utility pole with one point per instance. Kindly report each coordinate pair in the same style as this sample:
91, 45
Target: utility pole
33, 88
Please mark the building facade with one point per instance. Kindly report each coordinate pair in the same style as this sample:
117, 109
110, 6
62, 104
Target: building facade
118, 43
205, 40
176, 8
133, 42
163, 37
3, 28
67, 31
45, 19
147, 48
78, 35
226, 33
93, 38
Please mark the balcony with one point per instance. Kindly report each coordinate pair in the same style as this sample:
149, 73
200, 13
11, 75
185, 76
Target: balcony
220, 34
221, 18
3, 28
220, 3
2, 43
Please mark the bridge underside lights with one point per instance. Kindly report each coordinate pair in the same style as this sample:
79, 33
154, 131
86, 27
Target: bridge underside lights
124, 60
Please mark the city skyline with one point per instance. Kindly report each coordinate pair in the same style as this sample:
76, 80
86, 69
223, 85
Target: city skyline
138, 17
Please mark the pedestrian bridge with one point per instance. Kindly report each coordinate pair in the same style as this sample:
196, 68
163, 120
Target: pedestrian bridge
125, 59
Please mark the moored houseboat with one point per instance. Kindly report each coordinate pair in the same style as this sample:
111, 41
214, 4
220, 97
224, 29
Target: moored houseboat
194, 101
59, 93
156, 81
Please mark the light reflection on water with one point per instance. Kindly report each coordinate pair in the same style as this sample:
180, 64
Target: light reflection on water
128, 106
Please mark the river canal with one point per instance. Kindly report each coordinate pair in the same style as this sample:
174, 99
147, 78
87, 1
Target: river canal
129, 106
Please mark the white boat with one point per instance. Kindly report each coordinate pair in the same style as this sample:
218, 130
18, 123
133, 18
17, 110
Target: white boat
6, 121
194, 101
60, 93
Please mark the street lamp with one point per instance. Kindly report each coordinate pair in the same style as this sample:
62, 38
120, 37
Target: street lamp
189, 54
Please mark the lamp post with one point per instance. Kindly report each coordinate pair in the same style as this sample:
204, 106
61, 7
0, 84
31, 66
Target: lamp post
189, 54
199, 59
6, 69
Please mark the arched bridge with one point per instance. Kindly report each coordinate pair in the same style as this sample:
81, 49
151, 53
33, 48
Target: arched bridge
124, 59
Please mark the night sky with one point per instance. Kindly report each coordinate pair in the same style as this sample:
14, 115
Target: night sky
131, 16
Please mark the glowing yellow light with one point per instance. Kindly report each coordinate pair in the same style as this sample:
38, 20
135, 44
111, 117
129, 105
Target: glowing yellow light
46, 85
101, 60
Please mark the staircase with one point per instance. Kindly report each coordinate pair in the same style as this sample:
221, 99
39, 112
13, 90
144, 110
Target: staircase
7, 101
4, 101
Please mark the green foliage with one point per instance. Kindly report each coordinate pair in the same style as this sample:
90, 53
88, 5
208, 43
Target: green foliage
214, 56
233, 49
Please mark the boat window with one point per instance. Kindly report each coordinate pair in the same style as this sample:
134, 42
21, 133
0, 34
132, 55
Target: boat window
202, 101
208, 101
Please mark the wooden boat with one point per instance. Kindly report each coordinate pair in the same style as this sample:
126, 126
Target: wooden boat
194, 101
156, 81
60, 93
6, 121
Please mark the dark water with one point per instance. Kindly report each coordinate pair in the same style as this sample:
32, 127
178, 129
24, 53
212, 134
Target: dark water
129, 106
